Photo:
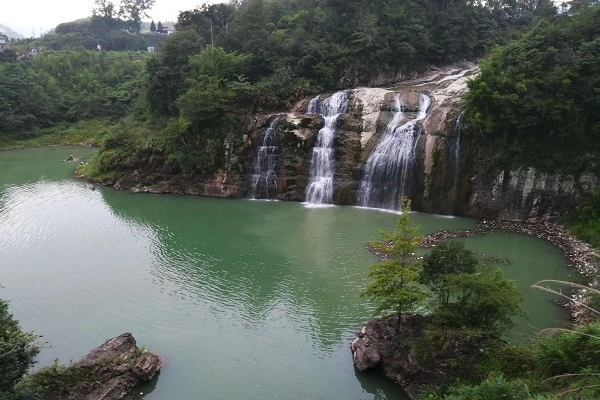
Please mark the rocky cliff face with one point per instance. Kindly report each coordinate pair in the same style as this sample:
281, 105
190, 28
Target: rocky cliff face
524, 194
443, 175
446, 178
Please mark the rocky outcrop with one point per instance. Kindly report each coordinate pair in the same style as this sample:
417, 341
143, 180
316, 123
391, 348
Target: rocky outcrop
111, 371
220, 184
377, 345
410, 361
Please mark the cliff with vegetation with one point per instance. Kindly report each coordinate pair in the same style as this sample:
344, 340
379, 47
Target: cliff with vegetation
517, 142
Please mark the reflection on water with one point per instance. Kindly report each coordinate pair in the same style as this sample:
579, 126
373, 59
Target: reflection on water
242, 299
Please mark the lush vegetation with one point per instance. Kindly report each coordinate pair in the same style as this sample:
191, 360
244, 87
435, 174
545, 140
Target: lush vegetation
229, 60
536, 104
395, 279
474, 304
536, 101
18, 350
66, 86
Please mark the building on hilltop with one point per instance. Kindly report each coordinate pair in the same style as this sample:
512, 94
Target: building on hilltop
166, 31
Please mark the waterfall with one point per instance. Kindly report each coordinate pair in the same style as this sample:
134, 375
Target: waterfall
322, 168
455, 150
389, 167
264, 178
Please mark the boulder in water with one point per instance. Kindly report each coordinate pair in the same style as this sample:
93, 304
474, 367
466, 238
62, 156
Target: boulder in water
111, 371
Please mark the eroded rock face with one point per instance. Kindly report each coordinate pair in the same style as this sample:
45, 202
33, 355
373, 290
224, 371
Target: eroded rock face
525, 194
378, 346
405, 359
221, 184
110, 372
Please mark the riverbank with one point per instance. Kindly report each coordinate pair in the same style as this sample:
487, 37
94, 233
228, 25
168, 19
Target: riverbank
87, 133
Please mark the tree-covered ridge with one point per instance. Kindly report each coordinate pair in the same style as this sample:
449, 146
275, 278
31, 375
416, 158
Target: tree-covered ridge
537, 99
66, 86
337, 43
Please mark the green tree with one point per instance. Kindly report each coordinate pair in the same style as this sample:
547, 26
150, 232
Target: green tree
485, 301
18, 349
160, 26
395, 284
152, 26
538, 94
168, 71
133, 11
446, 260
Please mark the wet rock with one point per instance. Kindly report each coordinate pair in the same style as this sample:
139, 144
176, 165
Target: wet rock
393, 353
366, 358
111, 371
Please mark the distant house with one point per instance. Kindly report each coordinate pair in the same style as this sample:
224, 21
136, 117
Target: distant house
166, 31
3, 45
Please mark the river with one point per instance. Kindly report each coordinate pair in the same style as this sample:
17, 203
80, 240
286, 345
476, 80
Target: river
242, 299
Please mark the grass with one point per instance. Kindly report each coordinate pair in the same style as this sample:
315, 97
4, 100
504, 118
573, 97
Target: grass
87, 132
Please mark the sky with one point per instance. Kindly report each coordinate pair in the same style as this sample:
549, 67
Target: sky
23, 16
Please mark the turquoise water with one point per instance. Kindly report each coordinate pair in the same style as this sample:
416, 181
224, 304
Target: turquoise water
242, 299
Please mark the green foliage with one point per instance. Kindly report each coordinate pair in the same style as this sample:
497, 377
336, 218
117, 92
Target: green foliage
334, 43
492, 388
446, 260
562, 363
52, 379
168, 71
586, 222
66, 86
538, 94
485, 301
570, 351
18, 349
395, 280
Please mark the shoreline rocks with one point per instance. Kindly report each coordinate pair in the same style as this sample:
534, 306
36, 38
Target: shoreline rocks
112, 371
377, 346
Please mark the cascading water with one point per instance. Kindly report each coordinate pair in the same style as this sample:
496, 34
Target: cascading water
264, 178
322, 168
388, 168
454, 149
